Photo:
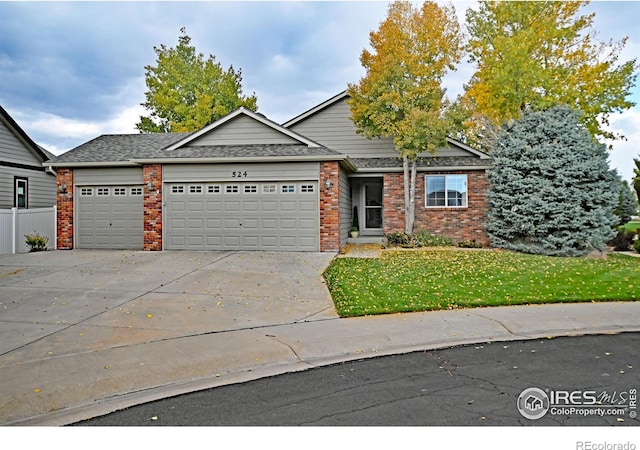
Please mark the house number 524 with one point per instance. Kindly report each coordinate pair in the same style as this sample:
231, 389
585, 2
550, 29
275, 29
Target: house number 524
239, 174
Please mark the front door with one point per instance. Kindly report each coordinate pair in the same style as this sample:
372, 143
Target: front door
372, 206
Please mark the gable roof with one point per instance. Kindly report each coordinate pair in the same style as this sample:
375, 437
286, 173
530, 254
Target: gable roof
136, 149
233, 115
42, 154
336, 98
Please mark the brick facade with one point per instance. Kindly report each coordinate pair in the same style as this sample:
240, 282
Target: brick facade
64, 200
329, 207
455, 223
152, 204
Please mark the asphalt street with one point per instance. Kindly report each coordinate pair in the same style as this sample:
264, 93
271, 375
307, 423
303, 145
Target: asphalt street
474, 385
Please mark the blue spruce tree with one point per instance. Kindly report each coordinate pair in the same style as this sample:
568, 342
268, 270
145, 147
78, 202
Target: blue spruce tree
552, 191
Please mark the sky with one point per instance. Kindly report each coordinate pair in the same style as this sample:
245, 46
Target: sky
71, 71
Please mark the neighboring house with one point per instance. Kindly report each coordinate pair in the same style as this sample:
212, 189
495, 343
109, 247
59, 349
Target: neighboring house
24, 181
247, 183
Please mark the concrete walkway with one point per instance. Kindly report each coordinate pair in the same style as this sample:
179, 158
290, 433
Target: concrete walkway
84, 333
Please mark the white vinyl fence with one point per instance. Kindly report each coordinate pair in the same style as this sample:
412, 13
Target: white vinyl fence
15, 223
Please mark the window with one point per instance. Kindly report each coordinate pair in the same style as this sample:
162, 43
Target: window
231, 189
195, 189
86, 192
250, 189
136, 191
119, 191
21, 197
102, 191
177, 189
288, 188
213, 189
306, 188
268, 188
446, 191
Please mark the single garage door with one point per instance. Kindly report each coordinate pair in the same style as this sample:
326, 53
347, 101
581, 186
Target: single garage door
110, 217
280, 216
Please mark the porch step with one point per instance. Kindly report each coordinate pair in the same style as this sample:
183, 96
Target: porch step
366, 240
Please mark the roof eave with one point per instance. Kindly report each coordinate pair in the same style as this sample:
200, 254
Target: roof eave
240, 159
422, 169
81, 164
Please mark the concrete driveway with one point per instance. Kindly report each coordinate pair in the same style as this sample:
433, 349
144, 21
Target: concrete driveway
80, 325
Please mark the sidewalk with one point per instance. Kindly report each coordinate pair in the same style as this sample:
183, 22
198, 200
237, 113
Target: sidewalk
64, 376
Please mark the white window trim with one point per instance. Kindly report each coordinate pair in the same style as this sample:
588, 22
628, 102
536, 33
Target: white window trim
446, 190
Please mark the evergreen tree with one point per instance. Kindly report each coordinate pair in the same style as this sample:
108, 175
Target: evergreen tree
552, 191
636, 178
626, 203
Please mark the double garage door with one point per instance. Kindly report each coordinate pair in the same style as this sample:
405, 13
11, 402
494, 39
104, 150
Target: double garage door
242, 216
204, 216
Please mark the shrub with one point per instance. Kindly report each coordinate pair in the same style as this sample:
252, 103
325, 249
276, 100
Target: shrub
623, 240
636, 245
427, 239
36, 242
469, 243
402, 239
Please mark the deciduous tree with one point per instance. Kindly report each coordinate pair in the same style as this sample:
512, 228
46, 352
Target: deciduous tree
187, 92
533, 55
401, 95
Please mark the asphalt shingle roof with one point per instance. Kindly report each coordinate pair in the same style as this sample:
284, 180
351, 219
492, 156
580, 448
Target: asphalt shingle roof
120, 147
124, 147
429, 161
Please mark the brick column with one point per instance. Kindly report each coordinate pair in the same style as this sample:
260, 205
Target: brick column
152, 201
393, 202
329, 207
64, 200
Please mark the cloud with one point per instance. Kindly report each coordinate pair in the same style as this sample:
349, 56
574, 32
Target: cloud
625, 151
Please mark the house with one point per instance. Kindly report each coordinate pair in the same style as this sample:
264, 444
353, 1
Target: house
247, 183
24, 181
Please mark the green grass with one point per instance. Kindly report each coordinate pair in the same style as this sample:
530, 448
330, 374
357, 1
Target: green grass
633, 225
431, 279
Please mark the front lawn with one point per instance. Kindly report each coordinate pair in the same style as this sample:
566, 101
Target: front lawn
633, 225
429, 279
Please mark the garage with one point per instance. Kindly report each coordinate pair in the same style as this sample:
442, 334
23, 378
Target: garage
261, 215
110, 217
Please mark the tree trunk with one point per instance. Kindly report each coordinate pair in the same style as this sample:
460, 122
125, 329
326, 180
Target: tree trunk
409, 194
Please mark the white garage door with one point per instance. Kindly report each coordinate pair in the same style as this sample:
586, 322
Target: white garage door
242, 216
110, 217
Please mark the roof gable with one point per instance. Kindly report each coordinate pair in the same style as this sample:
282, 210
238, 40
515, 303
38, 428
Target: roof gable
33, 149
242, 127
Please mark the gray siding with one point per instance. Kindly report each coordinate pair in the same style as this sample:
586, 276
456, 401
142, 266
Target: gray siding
346, 207
13, 150
253, 171
41, 187
243, 130
333, 128
106, 176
